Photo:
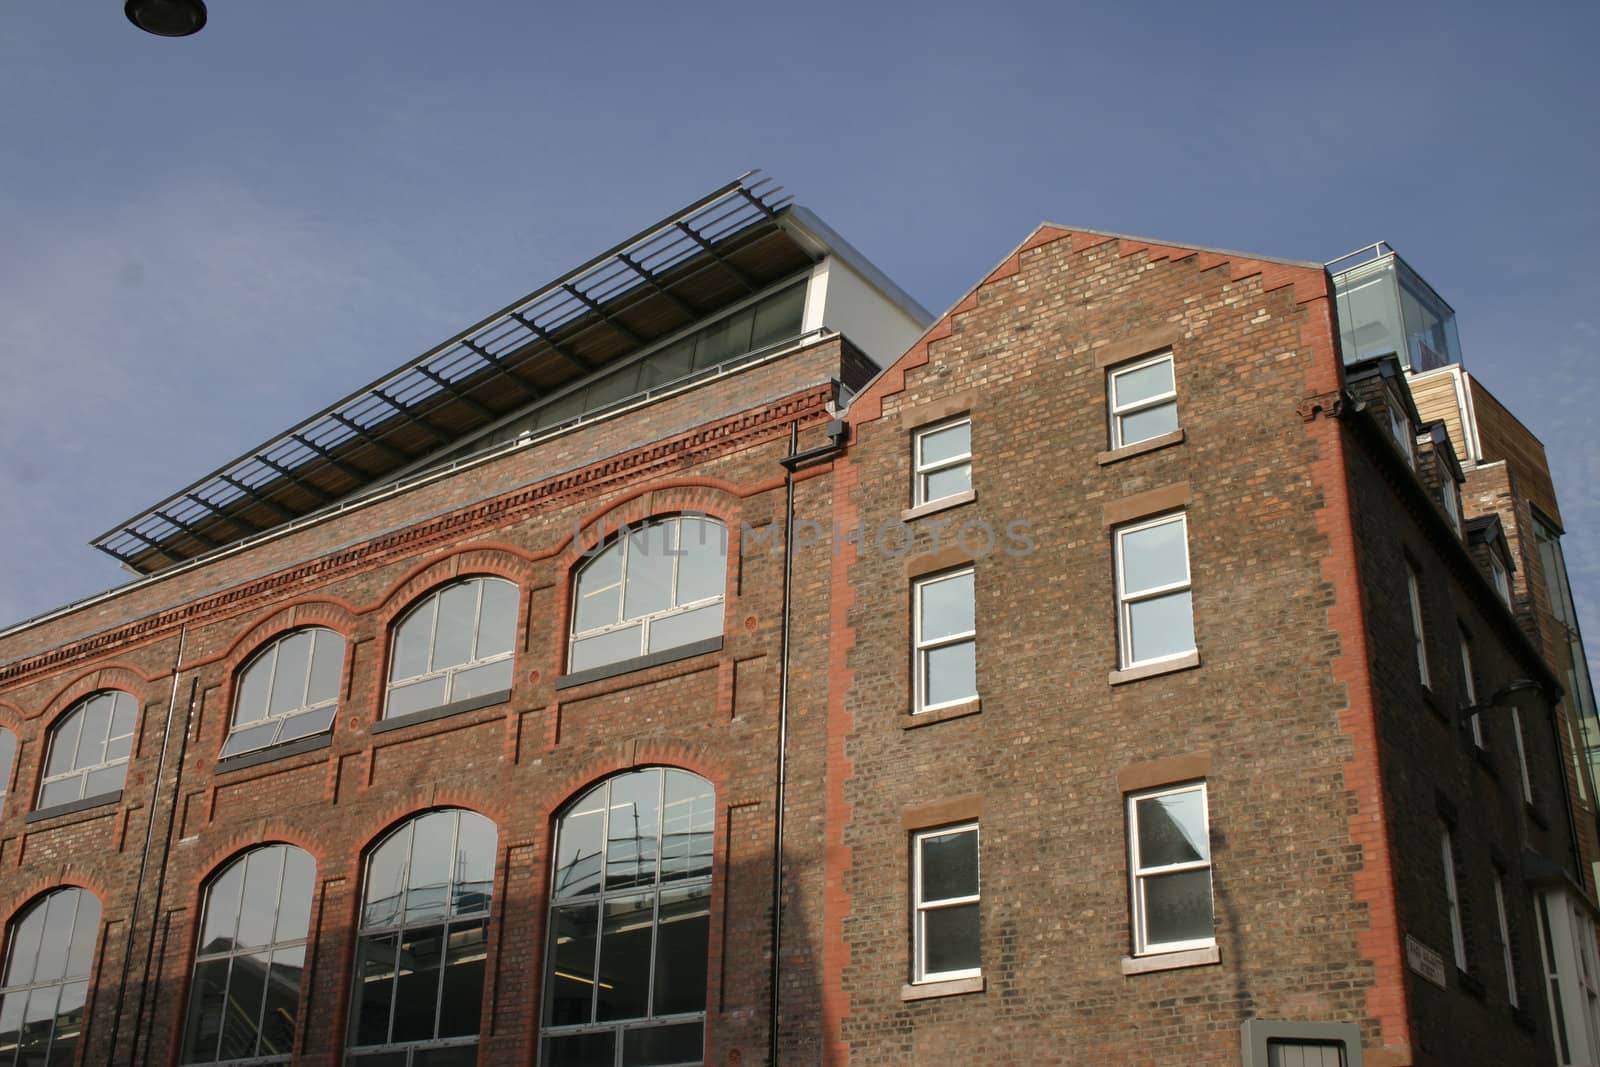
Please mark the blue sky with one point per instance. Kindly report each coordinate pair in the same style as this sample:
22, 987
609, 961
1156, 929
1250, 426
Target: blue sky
204, 240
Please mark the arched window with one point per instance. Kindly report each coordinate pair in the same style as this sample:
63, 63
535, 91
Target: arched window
455, 644
48, 958
423, 942
630, 911
89, 748
8, 759
252, 951
288, 690
657, 587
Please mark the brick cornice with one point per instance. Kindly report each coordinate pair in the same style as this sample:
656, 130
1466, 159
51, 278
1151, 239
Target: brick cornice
735, 433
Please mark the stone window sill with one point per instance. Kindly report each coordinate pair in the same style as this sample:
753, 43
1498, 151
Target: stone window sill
1151, 670
72, 807
966, 496
954, 711
444, 711
296, 747
1172, 437
639, 663
1172, 961
930, 990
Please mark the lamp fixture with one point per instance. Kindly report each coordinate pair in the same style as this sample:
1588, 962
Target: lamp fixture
167, 18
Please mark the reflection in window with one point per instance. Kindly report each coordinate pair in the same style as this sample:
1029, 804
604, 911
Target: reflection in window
89, 749
289, 690
1169, 850
8, 758
945, 900
943, 459
1144, 401
655, 587
245, 996
418, 980
454, 645
48, 958
945, 639
625, 968
1155, 613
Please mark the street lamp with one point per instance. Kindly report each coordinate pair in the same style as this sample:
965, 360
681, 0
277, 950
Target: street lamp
167, 18
1514, 688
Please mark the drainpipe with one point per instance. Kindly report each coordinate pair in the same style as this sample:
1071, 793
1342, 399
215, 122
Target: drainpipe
144, 858
838, 431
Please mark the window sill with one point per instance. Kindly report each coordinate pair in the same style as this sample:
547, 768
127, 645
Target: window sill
1172, 961
954, 711
639, 663
299, 745
444, 711
966, 496
1150, 670
41, 814
1171, 437
950, 988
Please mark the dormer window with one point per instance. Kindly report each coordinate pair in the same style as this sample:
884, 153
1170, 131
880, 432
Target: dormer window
1501, 577
1400, 429
1450, 497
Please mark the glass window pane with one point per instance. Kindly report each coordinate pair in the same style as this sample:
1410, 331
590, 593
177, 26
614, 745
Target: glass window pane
667, 364
602, 570
663, 1045
950, 939
374, 971
489, 678
418, 696
254, 683
612, 647
417, 994
105, 780
779, 316
598, 609
69, 1024
38, 1019
1177, 907
633, 830
258, 909
681, 950
307, 723
578, 848
648, 583
80, 953
119, 748
432, 860
64, 744
1154, 556
947, 607
947, 482
294, 906
1172, 829
940, 445
289, 680
1151, 422
222, 910
61, 909
283, 1001
385, 886
497, 619
450, 1056
571, 982
952, 672
8, 753
949, 865
411, 640
1162, 626
96, 719
624, 979
476, 843
327, 664
63, 792
1142, 383
251, 739
11, 1009
579, 1050
24, 947
461, 1000
452, 637
702, 560
725, 339
247, 988
124, 715
686, 627
686, 826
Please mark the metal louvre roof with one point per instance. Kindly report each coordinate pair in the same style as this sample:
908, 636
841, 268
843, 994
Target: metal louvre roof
718, 250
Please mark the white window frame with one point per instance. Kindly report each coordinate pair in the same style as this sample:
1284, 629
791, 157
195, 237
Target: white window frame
921, 648
1400, 428
1126, 599
449, 671
1505, 938
1452, 896
920, 907
83, 772
1470, 688
283, 718
1500, 577
1449, 495
1572, 973
1142, 945
1418, 632
1119, 411
922, 470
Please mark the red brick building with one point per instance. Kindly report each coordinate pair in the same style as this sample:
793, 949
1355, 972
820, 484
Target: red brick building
712, 658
